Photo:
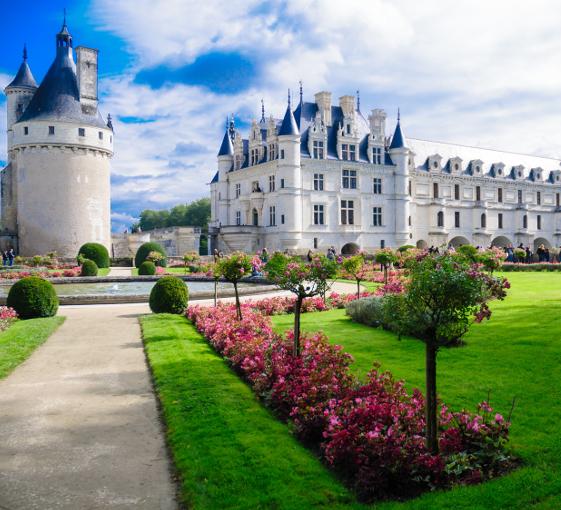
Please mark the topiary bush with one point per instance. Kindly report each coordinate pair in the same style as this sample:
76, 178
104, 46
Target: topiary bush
33, 297
147, 268
96, 252
144, 251
169, 295
367, 311
89, 268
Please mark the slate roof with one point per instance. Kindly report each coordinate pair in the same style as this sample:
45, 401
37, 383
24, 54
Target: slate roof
398, 140
226, 149
57, 98
288, 126
24, 77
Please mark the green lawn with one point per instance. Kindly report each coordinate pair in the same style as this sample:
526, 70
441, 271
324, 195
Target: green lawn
369, 286
515, 354
230, 452
20, 340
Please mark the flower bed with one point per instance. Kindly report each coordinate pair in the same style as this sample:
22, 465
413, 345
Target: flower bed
371, 432
7, 317
16, 275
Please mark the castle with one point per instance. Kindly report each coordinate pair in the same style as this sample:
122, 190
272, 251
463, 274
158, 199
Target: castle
55, 190
326, 175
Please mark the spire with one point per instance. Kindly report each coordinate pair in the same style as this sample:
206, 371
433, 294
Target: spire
24, 77
301, 92
63, 38
398, 140
262, 112
232, 127
358, 101
226, 148
288, 126
109, 122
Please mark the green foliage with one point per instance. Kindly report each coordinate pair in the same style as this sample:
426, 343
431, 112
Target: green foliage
195, 214
147, 268
356, 267
169, 295
386, 256
33, 297
144, 251
96, 252
468, 251
519, 253
233, 268
405, 247
89, 268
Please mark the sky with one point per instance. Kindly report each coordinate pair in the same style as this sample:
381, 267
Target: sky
474, 72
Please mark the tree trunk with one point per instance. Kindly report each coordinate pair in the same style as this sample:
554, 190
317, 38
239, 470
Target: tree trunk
238, 306
430, 398
215, 292
297, 310
385, 274
358, 289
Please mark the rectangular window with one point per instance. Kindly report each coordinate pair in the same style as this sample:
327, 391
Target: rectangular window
282, 183
100, 135
315, 243
500, 220
382, 244
272, 152
557, 199
435, 190
255, 188
347, 212
440, 219
51, 130
282, 219
457, 219
238, 189
519, 196
478, 193
377, 216
456, 191
525, 221
25, 130
272, 216
282, 154
81, 131
318, 182
409, 187
500, 195
348, 152
539, 222
319, 216
377, 186
271, 183
238, 217
349, 179
318, 149
377, 155
539, 198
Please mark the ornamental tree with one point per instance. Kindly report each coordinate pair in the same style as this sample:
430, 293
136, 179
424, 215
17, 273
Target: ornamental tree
444, 293
492, 259
304, 279
190, 258
356, 267
233, 268
386, 257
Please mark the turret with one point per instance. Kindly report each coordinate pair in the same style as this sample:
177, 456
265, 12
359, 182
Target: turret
399, 154
19, 93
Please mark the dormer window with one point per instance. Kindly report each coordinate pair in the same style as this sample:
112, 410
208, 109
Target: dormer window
318, 148
435, 164
456, 166
519, 173
477, 168
81, 132
348, 129
377, 155
51, 130
348, 152
500, 171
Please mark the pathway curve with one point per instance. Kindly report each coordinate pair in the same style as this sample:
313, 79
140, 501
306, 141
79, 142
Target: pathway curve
79, 426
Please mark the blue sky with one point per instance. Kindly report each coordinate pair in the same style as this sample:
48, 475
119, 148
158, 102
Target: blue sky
473, 72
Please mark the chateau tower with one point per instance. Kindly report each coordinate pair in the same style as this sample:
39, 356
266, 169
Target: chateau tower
56, 187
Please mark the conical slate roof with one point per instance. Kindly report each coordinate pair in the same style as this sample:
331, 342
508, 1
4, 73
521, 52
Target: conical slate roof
24, 76
226, 149
398, 140
288, 126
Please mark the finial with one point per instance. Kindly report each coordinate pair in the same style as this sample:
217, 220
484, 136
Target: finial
64, 20
289, 98
398, 114
227, 121
109, 121
358, 100
262, 111
301, 92
24, 52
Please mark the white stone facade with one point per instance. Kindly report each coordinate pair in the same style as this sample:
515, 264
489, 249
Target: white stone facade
361, 189
56, 186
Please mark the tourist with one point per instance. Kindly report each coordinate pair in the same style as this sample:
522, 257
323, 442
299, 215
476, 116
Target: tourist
4, 258
11, 257
216, 255
546, 255
310, 255
541, 253
264, 255
528, 255
509, 253
331, 253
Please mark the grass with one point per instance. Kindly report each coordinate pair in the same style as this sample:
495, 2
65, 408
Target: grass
229, 451
22, 338
170, 270
515, 354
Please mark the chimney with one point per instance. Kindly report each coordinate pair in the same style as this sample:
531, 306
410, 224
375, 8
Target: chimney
347, 104
323, 101
87, 78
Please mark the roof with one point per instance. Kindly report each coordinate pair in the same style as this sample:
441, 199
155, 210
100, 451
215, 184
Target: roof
58, 98
288, 126
422, 149
226, 149
24, 77
398, 140
215, 178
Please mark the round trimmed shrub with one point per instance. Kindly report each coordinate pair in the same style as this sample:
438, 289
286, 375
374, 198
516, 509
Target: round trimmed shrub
145, 249
169, 295
147, 268
96, 252
33, 297
89, 268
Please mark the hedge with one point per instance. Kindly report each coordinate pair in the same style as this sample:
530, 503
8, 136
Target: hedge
96, 252
145, 249
33, 297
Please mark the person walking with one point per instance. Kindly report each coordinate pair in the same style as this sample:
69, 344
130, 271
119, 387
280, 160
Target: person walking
264, 255
4, 258
310, 255
11, 257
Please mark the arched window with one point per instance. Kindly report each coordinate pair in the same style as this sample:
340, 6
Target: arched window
483, 220
255, 217
440, 219
525, 221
